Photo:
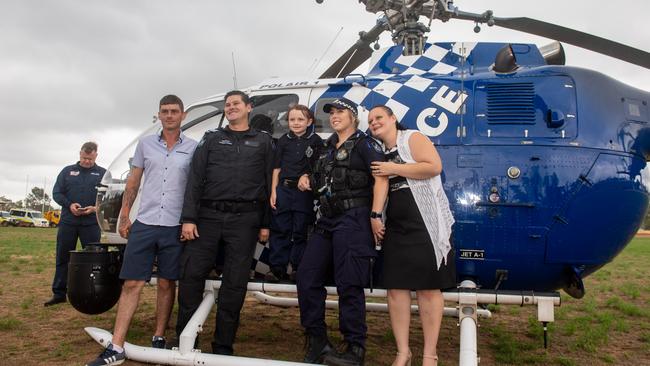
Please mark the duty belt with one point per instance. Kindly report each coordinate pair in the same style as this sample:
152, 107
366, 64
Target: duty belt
333, 207
232, 206
290, 183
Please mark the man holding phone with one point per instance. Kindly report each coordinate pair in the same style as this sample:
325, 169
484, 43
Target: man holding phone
75, 190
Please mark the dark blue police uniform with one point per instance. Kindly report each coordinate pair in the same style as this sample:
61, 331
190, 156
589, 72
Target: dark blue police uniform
75, 184
227, 197
343, 237
294, 209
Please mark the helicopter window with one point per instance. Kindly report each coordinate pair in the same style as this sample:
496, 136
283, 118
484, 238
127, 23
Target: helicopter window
270, 113
202, 118
322, 121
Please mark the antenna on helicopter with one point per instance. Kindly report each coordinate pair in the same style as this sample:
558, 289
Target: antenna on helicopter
317, 62
234, 71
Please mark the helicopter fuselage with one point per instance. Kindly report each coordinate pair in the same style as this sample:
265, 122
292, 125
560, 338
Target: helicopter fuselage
544, 166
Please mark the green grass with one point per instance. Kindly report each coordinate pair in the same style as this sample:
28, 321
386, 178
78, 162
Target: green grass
610, 325
9, 323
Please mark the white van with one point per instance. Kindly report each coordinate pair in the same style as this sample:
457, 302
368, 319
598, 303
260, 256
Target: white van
30, 218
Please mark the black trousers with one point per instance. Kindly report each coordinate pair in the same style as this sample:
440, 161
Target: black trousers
237, 233
66, 240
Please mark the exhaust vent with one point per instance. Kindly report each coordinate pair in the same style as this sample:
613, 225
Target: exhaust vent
512, 103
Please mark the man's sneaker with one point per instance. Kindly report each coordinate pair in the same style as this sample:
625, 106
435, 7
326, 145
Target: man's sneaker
108, 358
158, 342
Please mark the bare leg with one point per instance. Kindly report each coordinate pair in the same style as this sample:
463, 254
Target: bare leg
126, 307
164, 304
431, 304
399, 308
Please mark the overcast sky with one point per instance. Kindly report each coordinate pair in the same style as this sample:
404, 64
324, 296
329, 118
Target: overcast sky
73, 71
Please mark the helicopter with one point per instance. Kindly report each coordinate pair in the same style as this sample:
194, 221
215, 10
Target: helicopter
544, 164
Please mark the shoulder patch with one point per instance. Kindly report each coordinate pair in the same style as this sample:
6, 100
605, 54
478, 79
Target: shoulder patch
375, 145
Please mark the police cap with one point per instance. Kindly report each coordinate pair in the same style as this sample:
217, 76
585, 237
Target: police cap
341, 103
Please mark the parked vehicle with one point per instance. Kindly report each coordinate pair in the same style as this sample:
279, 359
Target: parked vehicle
29, 218
5, 219
53, 217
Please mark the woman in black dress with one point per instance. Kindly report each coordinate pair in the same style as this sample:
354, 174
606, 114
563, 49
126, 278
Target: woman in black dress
417, 251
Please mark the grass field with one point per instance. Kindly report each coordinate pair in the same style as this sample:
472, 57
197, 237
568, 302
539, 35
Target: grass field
609, 326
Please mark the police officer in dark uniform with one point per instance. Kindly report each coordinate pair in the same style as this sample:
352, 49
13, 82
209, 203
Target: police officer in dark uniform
75, 190
226, 204
351, 201
293, 209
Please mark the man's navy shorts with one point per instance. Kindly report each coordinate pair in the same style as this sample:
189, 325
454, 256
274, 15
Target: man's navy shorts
147, 242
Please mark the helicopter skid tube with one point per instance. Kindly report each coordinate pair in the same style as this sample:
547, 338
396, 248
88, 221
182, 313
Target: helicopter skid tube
175, 357
467, 296
370, 306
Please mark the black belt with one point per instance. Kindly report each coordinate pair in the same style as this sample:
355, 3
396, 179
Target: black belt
290, 183
335, 207
232, 206
351, 203
399, 185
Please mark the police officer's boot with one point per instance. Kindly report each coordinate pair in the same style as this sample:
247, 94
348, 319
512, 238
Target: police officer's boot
317, 347
352, 356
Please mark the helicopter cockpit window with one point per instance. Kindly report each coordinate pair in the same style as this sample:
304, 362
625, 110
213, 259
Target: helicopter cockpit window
202, 118
270, 113
322, 121
198, 120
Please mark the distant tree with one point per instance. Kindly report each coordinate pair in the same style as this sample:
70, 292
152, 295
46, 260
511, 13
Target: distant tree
646, 222
38, 199
5, 203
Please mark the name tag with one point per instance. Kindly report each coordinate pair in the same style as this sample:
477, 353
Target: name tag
93, 173
182, 152
74, 173
225, 142
252, 143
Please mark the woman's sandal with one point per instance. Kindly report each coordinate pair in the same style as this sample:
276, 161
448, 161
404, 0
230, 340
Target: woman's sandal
402, 354
430, 357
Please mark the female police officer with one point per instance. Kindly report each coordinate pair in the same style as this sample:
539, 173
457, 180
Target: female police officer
350, 204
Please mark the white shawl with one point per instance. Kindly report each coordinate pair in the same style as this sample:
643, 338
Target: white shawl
431, 201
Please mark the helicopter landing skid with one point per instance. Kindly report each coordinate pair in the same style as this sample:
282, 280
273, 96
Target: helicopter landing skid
467, 295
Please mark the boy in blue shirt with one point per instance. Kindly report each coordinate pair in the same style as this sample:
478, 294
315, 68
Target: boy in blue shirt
293, 209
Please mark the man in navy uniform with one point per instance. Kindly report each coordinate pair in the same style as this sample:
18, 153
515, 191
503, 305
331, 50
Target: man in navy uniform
351, 201
75, 190
226, 204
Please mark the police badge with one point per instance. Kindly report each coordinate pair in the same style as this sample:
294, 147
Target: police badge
309, 152
342, 154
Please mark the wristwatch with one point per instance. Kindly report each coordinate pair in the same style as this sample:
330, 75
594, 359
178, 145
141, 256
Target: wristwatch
375, 215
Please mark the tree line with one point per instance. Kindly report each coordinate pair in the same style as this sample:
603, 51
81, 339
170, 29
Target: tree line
35, 200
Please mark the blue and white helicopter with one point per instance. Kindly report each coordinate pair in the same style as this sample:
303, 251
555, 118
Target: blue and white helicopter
544, 164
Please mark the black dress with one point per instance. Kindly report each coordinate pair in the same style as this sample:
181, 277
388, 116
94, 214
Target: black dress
409, 258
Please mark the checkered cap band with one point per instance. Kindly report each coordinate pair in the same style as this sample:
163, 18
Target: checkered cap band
341, 103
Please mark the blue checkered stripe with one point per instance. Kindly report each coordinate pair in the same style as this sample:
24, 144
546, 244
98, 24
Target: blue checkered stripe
438, 58
412, 80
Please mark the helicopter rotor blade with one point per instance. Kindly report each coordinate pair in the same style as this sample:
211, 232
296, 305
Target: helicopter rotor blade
563, 34
357, 54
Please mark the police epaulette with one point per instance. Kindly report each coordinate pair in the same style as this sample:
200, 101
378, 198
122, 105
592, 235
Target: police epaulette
207, 133
213, 130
